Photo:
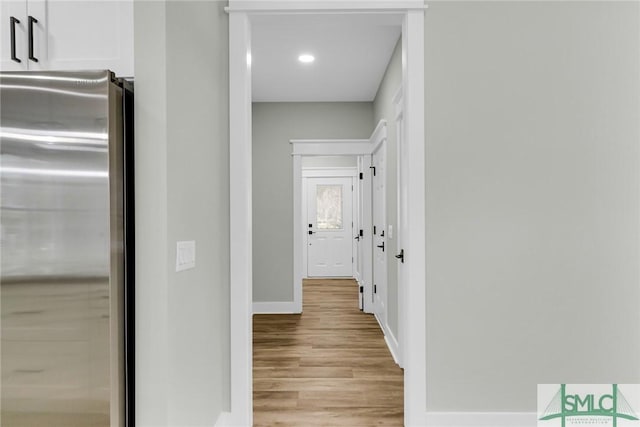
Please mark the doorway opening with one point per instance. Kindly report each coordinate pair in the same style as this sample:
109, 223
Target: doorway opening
242, 17
350, 158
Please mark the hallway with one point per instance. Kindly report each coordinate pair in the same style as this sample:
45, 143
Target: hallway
329, 366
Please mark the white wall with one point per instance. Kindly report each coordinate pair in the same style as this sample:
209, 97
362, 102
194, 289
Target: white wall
532, 131
274, 125
182, 181
383, 108
532, 202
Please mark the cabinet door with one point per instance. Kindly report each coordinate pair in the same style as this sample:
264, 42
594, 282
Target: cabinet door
87, 34
18, 10
36, 47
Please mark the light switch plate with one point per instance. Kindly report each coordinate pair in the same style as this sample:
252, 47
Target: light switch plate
185, 255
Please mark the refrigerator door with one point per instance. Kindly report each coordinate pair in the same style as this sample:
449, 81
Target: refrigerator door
61, 260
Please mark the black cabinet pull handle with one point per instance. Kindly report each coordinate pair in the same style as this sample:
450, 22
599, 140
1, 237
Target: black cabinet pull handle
14, 21
32, 20
381, 246
400, 256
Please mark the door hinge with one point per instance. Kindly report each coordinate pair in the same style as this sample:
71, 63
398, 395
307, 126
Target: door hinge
374, 170
375, 289
361, 233
361, 175
361, 289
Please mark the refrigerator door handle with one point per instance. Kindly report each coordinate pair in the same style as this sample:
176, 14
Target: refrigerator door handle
32, 20
14, 21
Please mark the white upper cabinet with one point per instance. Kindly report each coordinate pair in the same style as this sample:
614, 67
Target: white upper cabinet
13, 35
67, 35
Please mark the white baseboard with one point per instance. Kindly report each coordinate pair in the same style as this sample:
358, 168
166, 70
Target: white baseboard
392, 343
478, 419
375, 315
288, 307
224, 420
390, 339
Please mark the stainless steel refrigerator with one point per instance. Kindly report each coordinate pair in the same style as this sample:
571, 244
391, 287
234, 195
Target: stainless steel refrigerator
66, 289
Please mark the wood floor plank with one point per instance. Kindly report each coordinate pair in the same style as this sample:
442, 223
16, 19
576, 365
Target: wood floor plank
317, 418
329, 366
353, 361
318, 384
304, 372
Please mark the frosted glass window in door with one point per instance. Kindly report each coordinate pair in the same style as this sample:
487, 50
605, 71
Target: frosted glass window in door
329, 207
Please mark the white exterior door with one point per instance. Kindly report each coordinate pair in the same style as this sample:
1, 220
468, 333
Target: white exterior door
378, 199
330, 227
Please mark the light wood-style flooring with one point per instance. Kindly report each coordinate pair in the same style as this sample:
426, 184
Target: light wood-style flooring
329, 366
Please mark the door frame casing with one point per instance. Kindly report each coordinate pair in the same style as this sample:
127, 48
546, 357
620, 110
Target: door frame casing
240, 160
397, 101
326, 147
361, 148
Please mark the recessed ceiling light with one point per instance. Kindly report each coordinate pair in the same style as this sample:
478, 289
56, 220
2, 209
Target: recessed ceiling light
306, 58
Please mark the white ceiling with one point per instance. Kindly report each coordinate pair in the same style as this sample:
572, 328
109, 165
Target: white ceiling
351, 51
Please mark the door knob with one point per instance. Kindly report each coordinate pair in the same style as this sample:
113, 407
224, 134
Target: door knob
381, 246
400, 256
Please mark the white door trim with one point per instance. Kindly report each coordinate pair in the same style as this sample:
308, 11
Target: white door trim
334, 147
323, 6
415, 328
241, 192
327, 147
400, 237
316, 171
240, 223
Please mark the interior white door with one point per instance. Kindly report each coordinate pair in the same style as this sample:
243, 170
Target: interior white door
358, 237
330, 227
378, 199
